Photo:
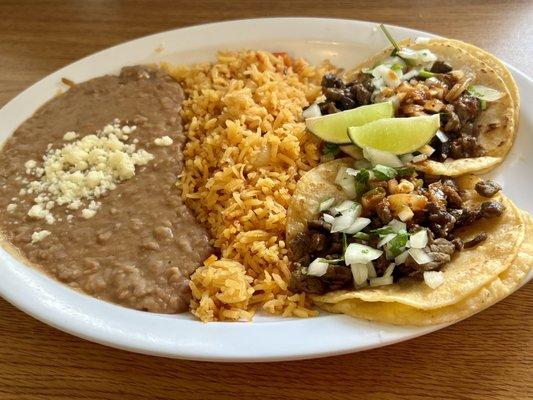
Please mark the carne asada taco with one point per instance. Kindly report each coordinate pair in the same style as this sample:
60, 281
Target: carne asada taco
400, 314
471, 92
395, 237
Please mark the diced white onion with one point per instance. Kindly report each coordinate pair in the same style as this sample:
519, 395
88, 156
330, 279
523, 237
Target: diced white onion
419, 240
485, 93
409, 75
381, 157
442, 136
405, 214
420, 158
344, 221
358, 225
317, 268
352, 150
386, 239
352, 171
344, 206
419, 57
389, 270
346, 182
381, 281
420, 256
328, 218
397, 226
427, 150
360, 254
400, 259
326, 204
406, 158
389, 76
312, 111
359, 272
433, 278
371, 270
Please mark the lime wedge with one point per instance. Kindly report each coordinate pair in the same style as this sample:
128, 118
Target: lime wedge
333, 128
396, 135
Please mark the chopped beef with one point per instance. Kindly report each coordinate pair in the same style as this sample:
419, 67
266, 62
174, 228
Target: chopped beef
298, 249
319, 224
435, 195
440, 251
487, 188
453, 198
441, 222
491, 209
330, 80
336, 277
342, 96
465, 216
465, 147
467, 108
441, 67
301, 282
327, 107
381, 264
477, 240
449, 79
458, 243
383, 211
450, 122
317, 242
362, 93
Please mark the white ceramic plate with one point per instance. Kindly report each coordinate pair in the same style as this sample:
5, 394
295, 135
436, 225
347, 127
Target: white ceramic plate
345, 43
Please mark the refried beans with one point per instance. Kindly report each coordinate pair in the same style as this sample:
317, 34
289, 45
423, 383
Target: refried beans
142, 243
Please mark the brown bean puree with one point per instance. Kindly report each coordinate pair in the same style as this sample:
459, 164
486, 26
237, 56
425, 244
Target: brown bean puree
142, 244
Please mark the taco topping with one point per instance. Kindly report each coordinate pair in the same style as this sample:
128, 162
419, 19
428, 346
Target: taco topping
395, 224
418, 84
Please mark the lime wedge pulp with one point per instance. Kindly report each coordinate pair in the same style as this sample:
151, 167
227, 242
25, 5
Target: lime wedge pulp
333, 128
396, 135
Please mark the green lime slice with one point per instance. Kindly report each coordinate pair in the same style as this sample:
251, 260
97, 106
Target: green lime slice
396, 135
333, 128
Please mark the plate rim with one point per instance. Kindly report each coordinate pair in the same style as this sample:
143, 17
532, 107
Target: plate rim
192, 353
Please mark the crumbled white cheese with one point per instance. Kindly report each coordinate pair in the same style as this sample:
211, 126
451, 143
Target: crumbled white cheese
87, 213
69, 136
84, 169
37, 236
163, 141
11, 207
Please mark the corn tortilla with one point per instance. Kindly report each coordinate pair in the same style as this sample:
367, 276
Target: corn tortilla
496, 125
396, 313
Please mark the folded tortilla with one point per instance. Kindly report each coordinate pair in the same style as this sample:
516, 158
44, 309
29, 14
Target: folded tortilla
496, 125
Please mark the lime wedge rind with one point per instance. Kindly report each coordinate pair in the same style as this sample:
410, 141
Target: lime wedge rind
396, 135
333, 128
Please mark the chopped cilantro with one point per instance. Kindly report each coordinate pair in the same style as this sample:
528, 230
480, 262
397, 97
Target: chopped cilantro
425, 74
383, 231
405, 172
396, 245
331, 149
361, 181
384, 173
362, 236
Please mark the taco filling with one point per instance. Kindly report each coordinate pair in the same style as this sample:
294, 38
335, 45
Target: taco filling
472, 108
415, 92
390, 223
